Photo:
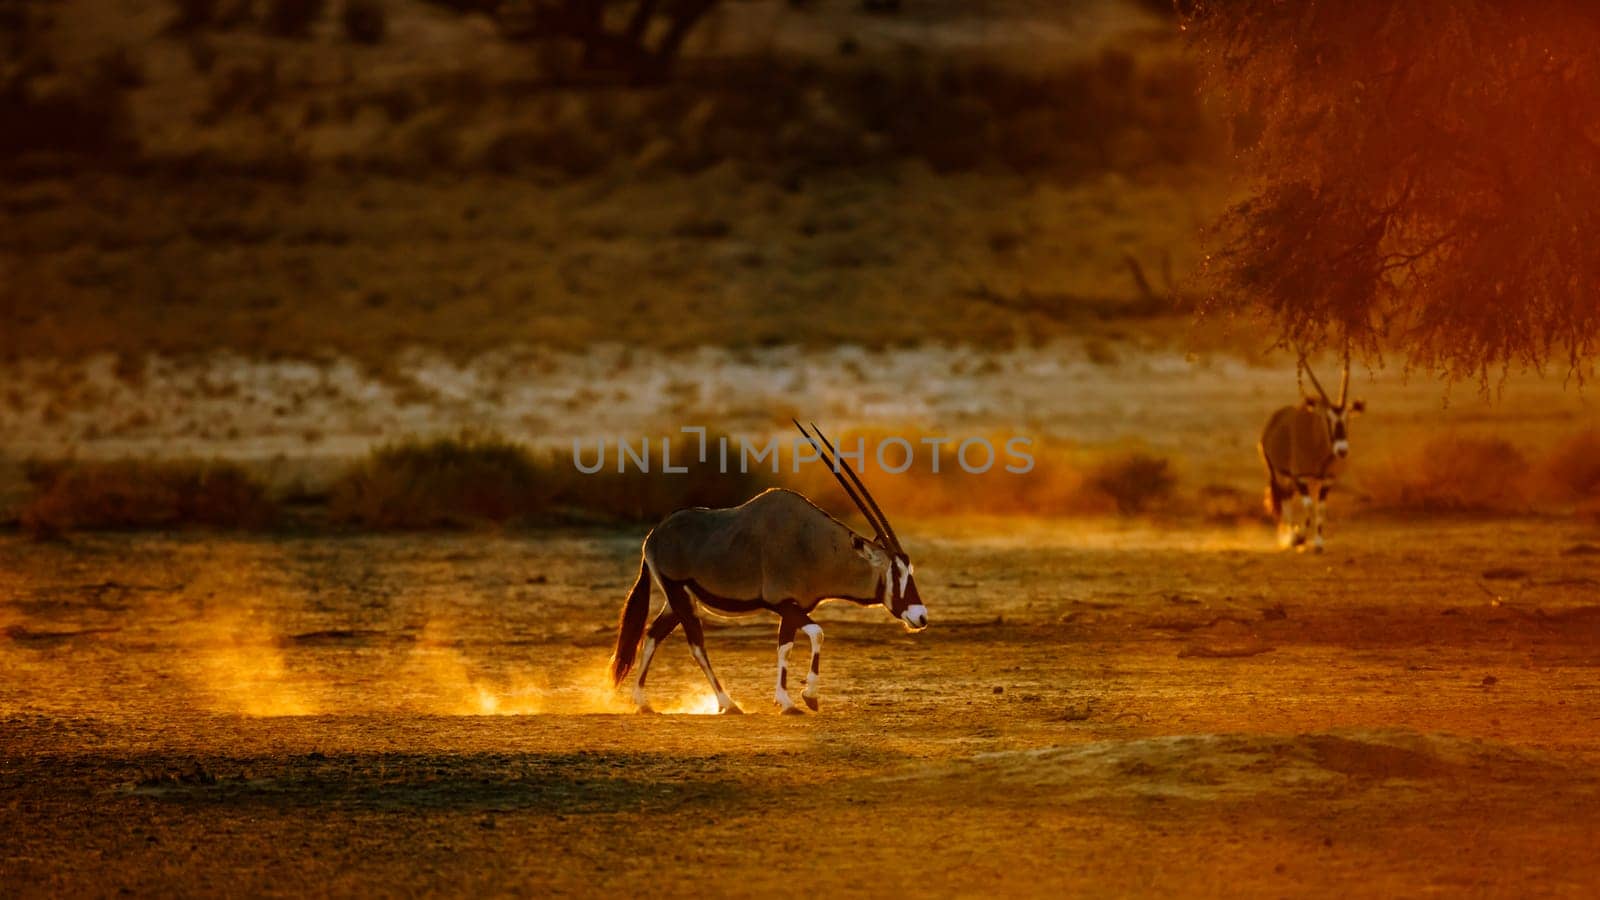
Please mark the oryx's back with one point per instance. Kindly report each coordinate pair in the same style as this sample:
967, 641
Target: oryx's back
1295, 442
728, 550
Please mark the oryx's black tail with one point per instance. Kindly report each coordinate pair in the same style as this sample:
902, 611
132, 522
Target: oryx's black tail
631, 627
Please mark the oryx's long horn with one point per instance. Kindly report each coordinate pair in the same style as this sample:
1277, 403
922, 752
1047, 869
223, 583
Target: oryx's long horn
1344, 380
1306, 367
855, 498
883, 520
869, 510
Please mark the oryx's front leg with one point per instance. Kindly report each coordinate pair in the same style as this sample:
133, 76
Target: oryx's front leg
813, 631
793, 618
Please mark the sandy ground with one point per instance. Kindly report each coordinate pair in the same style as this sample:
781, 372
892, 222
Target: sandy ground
1103, 710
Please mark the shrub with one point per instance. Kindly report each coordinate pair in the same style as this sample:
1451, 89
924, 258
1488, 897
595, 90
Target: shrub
84, 114
476, 480
194, 14
634, 496
138, 494
364, 21
1133, 482
446, 482
1452, 473
1571, 473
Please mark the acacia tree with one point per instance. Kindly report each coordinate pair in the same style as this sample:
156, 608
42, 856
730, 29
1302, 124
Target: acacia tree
1422, 176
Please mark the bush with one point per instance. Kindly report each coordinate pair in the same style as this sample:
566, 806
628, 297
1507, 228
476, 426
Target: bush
447, 482
194, 14
137, 494
292, 18
86, 114
1133, 482
634, 496
364, 21
477, 480
1453, 473
1571, 473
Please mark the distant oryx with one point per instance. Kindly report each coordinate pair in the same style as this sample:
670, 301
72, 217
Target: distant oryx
1305, 448
776, 552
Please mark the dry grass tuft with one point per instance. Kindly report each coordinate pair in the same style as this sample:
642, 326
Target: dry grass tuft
140, 494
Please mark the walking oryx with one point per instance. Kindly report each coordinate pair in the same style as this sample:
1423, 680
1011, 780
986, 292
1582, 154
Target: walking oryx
1304, 448
776, 552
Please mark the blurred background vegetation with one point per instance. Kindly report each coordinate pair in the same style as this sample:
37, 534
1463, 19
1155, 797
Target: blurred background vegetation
258, 232
292, 177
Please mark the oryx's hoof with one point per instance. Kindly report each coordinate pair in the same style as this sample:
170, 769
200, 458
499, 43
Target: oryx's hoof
810, 701
1316, 548
792, 710
732, 709
646, 709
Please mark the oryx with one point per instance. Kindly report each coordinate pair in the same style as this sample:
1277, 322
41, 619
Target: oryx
776, 552
1305, 448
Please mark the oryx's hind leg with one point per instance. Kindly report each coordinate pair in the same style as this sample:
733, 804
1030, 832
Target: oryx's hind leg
683, 607
665, 621
1280, 499
1306, 513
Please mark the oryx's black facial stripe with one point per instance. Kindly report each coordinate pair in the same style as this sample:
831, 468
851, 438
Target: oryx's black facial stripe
897, 578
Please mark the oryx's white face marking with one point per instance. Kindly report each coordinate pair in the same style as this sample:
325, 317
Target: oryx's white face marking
1338, 433
903, 600
1337, 420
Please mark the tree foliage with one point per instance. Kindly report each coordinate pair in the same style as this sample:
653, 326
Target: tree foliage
1423, 176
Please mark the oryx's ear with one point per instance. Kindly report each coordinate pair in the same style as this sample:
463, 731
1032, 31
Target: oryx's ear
1358, 406
1310, 403
870, 551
